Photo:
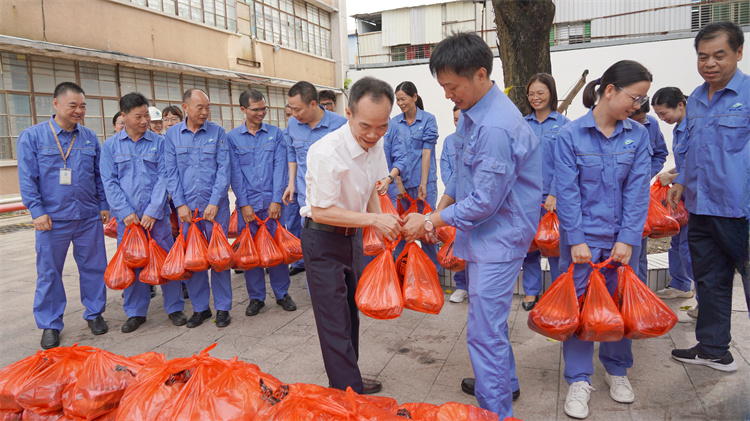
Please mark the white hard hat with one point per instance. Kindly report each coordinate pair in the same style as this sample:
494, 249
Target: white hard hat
154, 113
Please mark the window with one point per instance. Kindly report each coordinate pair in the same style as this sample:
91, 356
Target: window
398, 53
411, 52
733, 11
218, 13
570, 33
292, 23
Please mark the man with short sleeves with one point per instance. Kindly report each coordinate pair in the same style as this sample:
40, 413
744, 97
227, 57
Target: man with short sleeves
309, 123
58, 172
718, 116
198, 175
343, 169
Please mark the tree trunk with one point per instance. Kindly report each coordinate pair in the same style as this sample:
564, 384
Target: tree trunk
523, 28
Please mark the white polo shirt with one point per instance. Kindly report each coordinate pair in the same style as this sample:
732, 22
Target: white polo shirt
341, 173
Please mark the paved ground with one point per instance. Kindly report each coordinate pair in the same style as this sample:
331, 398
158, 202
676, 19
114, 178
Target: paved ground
418, 357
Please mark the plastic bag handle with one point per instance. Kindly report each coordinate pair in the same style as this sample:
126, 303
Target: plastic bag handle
601, 265
195, 217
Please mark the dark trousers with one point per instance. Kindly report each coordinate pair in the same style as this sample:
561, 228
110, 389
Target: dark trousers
718, 246
334, 265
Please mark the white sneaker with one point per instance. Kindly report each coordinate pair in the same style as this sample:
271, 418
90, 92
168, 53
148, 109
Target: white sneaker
670, 292
619, 388
577, 401
459, 295
693, 312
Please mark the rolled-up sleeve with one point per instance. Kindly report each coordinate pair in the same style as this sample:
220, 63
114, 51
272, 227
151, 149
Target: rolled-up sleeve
430, 132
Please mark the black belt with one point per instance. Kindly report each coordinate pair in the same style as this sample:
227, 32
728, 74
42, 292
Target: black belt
309, 223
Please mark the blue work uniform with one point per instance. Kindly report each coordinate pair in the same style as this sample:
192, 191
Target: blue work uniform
717, 157
421, 134
447, 168
657, 148
135, 180
259, 169
497, 187
290, 218
301, 137
546, 131
75, 213
198, 175
602, 198
680, 264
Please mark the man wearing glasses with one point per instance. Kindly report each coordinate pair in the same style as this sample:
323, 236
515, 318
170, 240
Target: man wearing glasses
259, 168
328, 100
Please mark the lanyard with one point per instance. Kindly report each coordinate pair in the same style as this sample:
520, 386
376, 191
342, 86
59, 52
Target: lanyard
67, 154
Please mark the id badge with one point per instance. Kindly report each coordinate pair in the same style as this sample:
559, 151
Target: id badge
66, 176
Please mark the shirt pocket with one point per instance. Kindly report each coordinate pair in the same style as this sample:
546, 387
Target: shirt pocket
734, 132
151, 162
624, 162
244, 156
123, 164
86, 159
49, 160
590, 168
301, 147
182, 156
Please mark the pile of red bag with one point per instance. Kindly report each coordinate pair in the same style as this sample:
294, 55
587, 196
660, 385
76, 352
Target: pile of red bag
82, 383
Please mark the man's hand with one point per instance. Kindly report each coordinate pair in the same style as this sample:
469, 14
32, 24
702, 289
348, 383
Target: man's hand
248, 214
551, 203
621, 252
105, 216
183, 212
382, 185
422, 192
288, 196
147, 222
131, 219
43, 223
675, 194
274, 211
580, 253
388, 225
210, 213
413, 227
666, 178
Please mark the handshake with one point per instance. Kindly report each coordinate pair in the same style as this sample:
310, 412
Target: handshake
411, 227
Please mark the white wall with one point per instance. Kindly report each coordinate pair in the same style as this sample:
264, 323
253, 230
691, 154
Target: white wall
672, 62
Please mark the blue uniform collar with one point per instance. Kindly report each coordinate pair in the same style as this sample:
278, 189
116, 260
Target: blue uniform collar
734, 85
183, 126
681, 127
480, 109
262, 128
59, 129
123, 135
589, 122
324, 122
554, 115
402, 117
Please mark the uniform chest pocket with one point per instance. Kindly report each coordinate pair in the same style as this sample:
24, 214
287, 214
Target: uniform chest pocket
122, 163
589, 168
86, 159
301, 147
49, 158
151, 162
244, 156
182, 156
624, 162
735, 132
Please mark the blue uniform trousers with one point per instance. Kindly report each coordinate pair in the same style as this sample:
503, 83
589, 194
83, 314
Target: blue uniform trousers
616, 357
138, 296
221, 283
293, 223
642, 270
460, 279
680, 264
90, 255
430, 249
255, 279
490, 296
533, 281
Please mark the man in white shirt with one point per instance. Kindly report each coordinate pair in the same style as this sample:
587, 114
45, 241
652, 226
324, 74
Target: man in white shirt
342, 170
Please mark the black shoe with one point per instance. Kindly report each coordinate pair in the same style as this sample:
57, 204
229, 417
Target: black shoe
153, 291
198, 317
528, 306
185, 295
178, 318
50, 338
286, 303
717, 362
467, 385
133, 323
222, 318
254, 307
238, 271
371, 386
98, 326
293, 271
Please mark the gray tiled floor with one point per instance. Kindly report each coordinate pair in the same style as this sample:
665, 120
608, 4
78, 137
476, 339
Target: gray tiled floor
418, 357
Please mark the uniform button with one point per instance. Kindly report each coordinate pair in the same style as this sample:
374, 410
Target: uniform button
607, 163
706, 125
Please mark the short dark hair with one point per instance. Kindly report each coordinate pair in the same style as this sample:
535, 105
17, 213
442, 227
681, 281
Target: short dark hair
305, 90
371, 87
547, 80
734, 33
669, 96
455, 108
462, 53
621, 74
132, 100
114, 119
189, 94
409, 88
172, 109
327, 94
64, 87
249, 95
645, 108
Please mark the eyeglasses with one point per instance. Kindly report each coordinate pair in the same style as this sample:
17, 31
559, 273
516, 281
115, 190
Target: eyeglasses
258, 110
326, 104
172, 120
638, 101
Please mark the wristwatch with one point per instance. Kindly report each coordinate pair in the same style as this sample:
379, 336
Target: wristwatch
428, 225
391, 177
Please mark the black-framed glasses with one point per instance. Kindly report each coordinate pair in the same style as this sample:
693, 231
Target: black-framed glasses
638, 101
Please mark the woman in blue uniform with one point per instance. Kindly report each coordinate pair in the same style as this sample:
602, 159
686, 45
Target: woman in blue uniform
602, 171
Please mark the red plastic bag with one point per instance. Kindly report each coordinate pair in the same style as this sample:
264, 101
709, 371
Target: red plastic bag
533, 246
418, 411
154, 385
445, 233
237, 393
174, 223
8, 415
446, 258
414, 208
600, 319
13, 376
233, 225
174, 264
646, 230
245, 254
196, 251
556, 315
659, 193
644, 314
371, 243
135, 247
453, 411
118, 275
421, 287
378, 293
661, 222
110, 230
290, 246
548, 236
268, 252
151, 274
401, 264
220, 255
386, 206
